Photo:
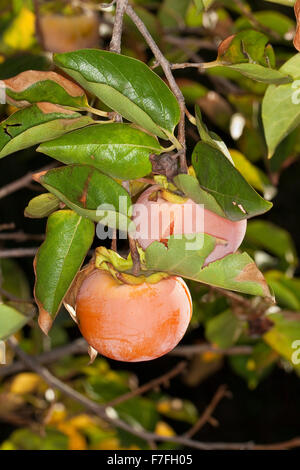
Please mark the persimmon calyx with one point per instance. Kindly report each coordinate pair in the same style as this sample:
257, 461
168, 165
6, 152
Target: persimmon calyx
119, 268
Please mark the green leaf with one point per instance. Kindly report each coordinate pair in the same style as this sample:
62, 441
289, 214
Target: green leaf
42, 206
34, 86
274, 239
178, 409
126, 85
261, 74
35, 124
13, 279
255, 366
286, 289
52, 439
192, 189
219, 177
224, 329
68, 239
284, 336
172, 12
118, 150
248, 46
89, 190
210, 137
247, 52
202, 5
236, 272
20, 62
11, 320
283, 102
273, 20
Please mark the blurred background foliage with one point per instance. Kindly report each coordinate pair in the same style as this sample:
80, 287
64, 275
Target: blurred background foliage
265, 383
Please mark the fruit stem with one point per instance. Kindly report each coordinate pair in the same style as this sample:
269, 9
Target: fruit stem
135, 256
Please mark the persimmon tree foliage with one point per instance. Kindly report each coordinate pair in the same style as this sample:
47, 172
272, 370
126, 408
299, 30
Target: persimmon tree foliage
119, 127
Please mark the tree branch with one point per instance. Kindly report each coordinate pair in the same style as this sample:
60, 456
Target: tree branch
149, 385
207, 414
22, 182
160, 58
115, 43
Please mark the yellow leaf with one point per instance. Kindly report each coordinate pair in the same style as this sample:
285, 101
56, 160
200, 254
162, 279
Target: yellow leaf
26, 382
20, 34
81, 421
76, 440
251, 173
57, 414
163, 429
111, 443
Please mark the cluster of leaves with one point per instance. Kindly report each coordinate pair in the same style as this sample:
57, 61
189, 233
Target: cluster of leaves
255, 102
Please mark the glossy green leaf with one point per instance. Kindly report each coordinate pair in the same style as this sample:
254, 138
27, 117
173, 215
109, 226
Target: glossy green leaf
118, 150
68, 239
283, 102
190, 186
126, 85
261, 74
34, 86
11, 320
220, 178
284, 337
41, 206
235, 272
35, 124
89, 191
224, 329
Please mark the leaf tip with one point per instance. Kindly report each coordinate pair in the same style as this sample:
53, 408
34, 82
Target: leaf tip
45, 321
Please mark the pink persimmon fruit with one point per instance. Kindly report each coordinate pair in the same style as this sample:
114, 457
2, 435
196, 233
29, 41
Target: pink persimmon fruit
160, 218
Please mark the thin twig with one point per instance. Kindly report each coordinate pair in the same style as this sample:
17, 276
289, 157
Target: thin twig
149, 385
186, 351
38, 27
9, 226
254, 21
79, 346
21, 236
160, 58
115, 43
207, 414
14, 298
101, 411
18, 252
22, 182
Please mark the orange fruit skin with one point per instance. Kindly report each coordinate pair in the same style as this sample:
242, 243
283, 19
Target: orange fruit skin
132, 322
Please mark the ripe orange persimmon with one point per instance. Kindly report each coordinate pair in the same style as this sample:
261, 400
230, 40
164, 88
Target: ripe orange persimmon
162, 213
132, 322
